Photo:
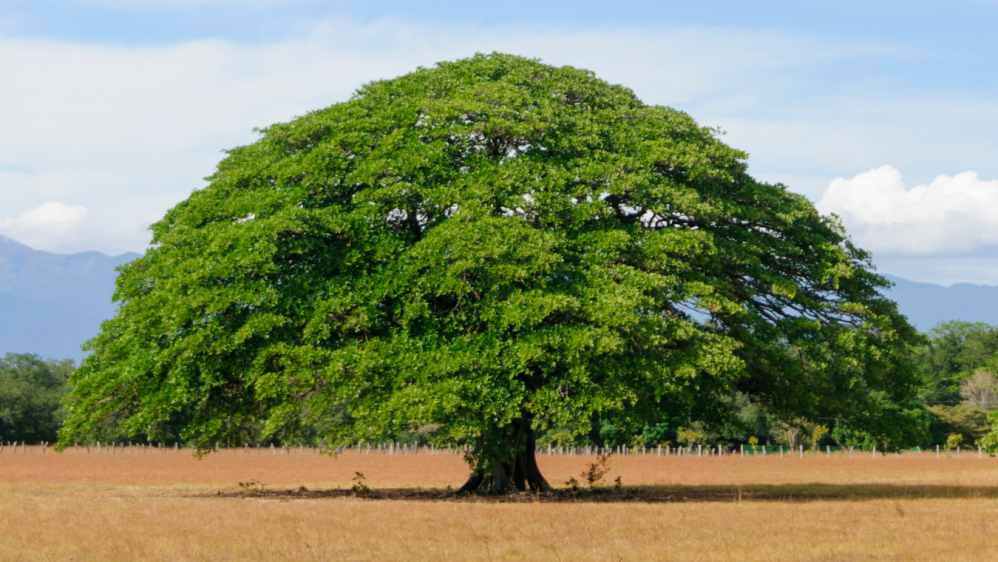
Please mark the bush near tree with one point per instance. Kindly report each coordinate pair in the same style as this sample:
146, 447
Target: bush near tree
492, 246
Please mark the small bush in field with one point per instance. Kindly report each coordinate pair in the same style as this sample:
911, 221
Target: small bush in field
359, 486
595, 472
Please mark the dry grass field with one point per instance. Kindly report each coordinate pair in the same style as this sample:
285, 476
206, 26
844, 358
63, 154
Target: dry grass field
174, 507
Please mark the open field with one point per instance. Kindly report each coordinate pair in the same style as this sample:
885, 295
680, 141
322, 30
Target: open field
173, 507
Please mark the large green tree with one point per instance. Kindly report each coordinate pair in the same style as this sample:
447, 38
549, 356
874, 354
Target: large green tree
491, 246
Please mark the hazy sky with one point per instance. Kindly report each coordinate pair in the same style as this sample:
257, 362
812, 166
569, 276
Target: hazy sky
884, 112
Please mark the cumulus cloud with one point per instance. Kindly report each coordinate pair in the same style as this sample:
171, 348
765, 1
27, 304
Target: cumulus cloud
950, 215
40, 225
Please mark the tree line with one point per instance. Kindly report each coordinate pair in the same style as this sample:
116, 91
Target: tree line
956, 403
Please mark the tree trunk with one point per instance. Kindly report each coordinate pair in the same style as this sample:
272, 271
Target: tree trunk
494, 475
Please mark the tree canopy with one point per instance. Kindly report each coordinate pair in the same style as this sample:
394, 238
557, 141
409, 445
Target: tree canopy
490, 246
30, 391
953, 351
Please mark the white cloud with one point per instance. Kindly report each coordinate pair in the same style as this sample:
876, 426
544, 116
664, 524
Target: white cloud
129, 131
950, 215
50, 220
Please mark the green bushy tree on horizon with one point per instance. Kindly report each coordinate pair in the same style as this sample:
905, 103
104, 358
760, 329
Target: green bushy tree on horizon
31, 389
492, 246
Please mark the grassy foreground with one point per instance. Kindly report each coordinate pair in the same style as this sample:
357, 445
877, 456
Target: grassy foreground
172, 507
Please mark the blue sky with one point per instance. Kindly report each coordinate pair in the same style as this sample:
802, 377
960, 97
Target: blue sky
882, 112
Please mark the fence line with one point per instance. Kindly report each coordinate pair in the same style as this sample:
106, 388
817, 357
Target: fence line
392, 448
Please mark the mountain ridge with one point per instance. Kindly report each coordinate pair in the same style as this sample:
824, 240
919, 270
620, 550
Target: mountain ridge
51, 303
927, 304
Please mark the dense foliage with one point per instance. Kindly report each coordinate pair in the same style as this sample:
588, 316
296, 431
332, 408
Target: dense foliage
954, 351
489, 248
30, 392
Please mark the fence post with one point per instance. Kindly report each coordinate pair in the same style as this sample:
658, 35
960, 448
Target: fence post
874, 451
763, 451
978, 451
957, 451
781, 451
850, 452
802, 451
742, 447
828, 449
937, 451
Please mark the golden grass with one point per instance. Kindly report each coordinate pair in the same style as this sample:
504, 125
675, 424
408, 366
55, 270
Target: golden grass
148, 528
162, 507
228, 468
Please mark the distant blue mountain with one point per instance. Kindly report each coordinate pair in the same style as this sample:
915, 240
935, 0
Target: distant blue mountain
926, 304
52, 303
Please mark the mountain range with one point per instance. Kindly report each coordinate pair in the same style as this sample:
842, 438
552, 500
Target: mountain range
51, 303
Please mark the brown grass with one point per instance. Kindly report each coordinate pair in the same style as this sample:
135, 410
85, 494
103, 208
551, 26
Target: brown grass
228, 468
164, 507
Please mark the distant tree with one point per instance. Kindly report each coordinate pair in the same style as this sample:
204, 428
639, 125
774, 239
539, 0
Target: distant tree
691, 435
914, 424
980, 390
953, 441
790, 433
752, 418
660, 433
817, 433
953, 351
492, 246
970, 422
31, 390
990, 440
